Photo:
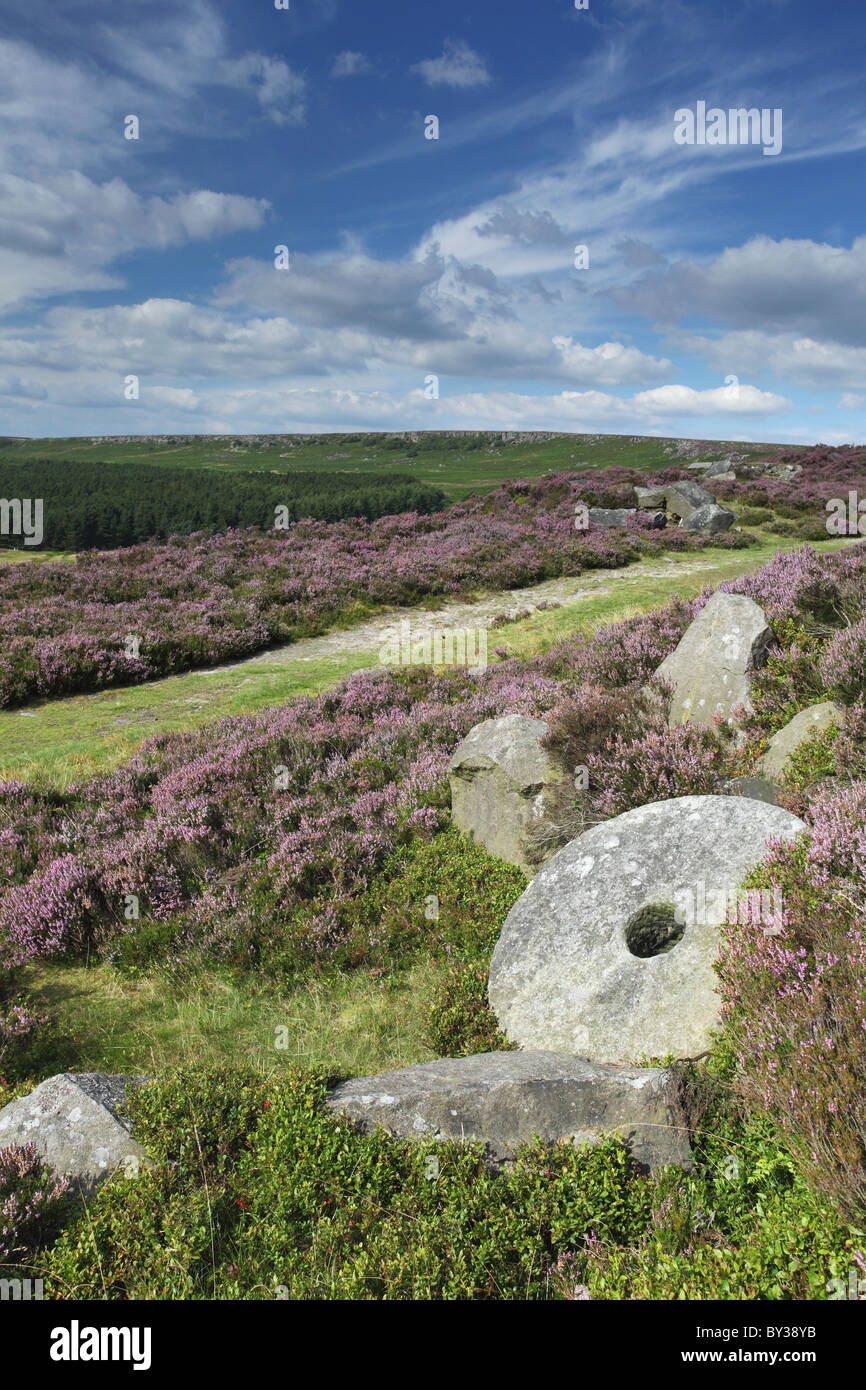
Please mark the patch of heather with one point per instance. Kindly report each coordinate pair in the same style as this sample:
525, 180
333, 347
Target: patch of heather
269, 827
20, 1024
842, 666
794, 1003
827, 473
123, 616
31, 1201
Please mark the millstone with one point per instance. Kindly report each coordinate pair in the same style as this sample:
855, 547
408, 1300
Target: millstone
609, 953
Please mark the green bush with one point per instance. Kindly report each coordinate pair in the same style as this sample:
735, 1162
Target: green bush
262, 1193
458, 1019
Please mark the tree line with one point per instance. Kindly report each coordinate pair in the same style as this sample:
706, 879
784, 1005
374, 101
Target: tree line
92, 505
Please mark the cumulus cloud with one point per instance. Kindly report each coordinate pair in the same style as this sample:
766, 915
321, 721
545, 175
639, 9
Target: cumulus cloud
788, 356
287, 406
62, 232
458, 66
810, 288
527, 228
173, 340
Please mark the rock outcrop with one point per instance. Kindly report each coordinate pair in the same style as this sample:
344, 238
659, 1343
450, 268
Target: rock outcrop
711, 669
815, 719
501, 783
505, 1099
76, 1122
711, 518
686, 496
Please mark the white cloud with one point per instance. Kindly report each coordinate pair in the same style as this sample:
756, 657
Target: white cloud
812, 289
171, 340
805, 361
458, 66
350, 64
277, 87
61, 233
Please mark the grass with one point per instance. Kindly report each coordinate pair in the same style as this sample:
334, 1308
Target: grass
347, 1024
352, 1023
635, 592
17, 557
473, 463
66, 740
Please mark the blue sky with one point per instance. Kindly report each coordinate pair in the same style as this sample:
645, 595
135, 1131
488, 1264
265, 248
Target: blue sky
725, 290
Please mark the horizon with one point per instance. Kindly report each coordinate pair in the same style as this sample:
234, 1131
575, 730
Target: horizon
230, 220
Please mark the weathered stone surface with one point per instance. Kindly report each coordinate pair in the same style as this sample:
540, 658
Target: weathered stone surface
609, 953
611, 516
757, 788
712, 518
501, 781
650, 497
74, 1121
720, 468
506, 1098
684, 497
716, 468
712, 666
815, 719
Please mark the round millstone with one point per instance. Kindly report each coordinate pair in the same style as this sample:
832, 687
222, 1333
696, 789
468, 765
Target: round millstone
609, 953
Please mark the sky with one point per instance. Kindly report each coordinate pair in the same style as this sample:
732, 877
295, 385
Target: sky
593, 243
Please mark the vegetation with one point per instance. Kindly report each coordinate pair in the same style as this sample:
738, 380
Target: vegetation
93, 505
295, 875
460, 462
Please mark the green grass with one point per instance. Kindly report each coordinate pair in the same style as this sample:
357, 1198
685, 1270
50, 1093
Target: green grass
349, 1024
447, 462
636, 592
65, 740
17, 557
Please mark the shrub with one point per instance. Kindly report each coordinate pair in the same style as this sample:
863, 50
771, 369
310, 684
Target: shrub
458, 1019
843, 663
20, 1026
32, 1204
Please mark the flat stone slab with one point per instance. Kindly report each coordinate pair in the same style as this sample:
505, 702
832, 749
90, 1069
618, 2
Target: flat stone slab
505, 1099
758, 788
609, 953
75, 1122
611, 516
815, 719
711, 669
650, 497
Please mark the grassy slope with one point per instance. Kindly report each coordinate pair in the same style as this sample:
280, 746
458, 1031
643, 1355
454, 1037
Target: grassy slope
457, 471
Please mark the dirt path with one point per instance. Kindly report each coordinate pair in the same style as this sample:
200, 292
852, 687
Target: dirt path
369, 636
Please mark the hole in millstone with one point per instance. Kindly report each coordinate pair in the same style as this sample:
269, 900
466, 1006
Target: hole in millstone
653, 929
